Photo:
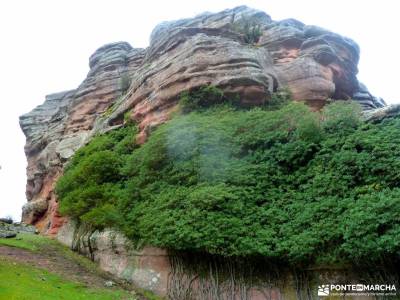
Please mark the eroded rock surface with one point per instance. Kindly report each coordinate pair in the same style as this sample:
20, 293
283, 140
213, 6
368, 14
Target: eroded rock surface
185, 276
64, 122
211, 48
147, 268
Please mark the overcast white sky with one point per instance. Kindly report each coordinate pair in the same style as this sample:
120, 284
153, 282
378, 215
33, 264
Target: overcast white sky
45, 47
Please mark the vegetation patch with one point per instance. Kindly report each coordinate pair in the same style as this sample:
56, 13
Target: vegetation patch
249, 28
286, 184
93, 183
39, 243
20, 281
28, 241
37, 267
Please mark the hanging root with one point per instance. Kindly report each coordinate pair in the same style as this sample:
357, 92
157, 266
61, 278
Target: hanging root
206, 277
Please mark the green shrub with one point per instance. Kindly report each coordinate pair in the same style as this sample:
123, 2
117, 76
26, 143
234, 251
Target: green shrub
342, 114
284, 184
371, 226
201, 98
278, 99
251, 30
128, 118
90, 185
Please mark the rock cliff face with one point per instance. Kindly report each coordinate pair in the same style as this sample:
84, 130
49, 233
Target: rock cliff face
144, 85
313, 63
64, 122
177, 277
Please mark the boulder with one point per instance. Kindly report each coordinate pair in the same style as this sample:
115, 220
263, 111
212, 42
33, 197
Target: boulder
7, 234
33, 210
10, 230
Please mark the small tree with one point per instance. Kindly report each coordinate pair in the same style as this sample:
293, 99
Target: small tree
278, 99
250, 29
341, 116
200, 98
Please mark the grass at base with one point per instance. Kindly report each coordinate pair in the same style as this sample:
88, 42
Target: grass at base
28, 241
23, 282
39, 243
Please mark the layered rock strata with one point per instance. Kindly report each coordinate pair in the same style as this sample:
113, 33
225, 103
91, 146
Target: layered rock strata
64, 122
143, 85
212, 48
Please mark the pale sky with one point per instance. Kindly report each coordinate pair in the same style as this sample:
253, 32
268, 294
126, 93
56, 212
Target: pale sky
45, 47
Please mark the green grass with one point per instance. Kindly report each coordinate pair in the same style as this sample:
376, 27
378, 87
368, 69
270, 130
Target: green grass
38, 243
29, 241
150, 296
19, 282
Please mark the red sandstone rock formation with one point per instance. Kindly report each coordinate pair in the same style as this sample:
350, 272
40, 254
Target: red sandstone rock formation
313, 63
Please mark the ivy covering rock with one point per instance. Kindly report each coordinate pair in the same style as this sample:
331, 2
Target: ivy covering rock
285, 184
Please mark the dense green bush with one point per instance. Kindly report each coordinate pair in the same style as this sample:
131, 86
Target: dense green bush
250, 28
202, 98
287, 184
91, 186
278, 99
341, 116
